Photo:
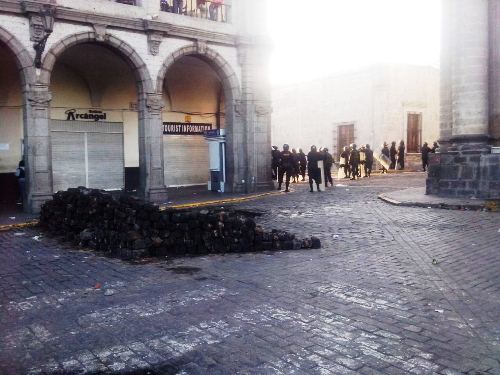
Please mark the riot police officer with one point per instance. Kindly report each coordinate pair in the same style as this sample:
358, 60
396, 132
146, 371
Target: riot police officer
312, 167
354, 162
286, 166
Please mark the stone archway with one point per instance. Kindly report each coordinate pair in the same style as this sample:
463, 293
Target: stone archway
235, 134
26, 74
150, 157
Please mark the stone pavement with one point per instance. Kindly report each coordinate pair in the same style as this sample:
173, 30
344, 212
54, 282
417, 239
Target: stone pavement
416, 197
394, 290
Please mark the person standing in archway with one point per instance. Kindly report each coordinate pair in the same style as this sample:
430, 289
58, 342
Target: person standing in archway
21, 181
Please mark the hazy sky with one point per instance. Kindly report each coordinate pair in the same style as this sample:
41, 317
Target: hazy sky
314, 38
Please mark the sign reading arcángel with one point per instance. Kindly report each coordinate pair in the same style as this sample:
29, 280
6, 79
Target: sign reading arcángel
93, 115
183, 128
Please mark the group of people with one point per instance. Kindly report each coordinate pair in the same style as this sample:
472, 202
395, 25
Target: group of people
179, 7
291, 165
396, 155
353, 161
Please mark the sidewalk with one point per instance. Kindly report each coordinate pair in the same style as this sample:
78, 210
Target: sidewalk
416, 197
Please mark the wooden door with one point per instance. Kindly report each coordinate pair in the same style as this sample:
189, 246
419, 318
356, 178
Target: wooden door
345, 137
414, 132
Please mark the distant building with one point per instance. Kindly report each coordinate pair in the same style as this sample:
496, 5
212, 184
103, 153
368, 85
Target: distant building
382, 103
123, 91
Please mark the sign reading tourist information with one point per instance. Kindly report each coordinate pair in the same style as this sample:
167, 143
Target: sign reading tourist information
183, 128
92, 115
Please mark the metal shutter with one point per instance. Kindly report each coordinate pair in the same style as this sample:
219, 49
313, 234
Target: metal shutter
68, 160
186, 160
87, 154
106, 161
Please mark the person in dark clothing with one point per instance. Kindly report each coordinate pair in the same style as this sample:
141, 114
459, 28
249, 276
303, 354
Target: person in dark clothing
275, 154
368, 161
354, 162
286, 166
345, 162
296, 164
312, 168
425, 150
393, 153
385, 151
328, 160
401, 155
21, 180
434, 148
178, 6
302, 164
362, 160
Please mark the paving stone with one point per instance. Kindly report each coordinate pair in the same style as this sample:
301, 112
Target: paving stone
371, 301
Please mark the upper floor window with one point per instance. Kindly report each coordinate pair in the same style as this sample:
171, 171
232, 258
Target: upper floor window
215, 10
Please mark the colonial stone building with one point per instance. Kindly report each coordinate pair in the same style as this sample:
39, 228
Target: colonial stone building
118, 93
469, 163
380, 103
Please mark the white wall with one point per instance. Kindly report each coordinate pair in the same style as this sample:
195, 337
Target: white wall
375, 99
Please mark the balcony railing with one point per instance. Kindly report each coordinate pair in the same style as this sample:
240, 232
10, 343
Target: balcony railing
214, 10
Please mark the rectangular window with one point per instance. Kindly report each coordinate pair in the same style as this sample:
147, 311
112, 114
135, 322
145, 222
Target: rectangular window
414, 132
345, 137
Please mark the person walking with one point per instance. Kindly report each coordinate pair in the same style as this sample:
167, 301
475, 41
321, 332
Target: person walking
312, 168
385, 151
425, 150
354, 161
21, 181
275, 155
393, 153
401, 155
296, 165
368, 161
328, 160
302, 164
344, 156
286, 166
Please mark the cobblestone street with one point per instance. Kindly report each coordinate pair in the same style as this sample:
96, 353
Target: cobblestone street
394, 290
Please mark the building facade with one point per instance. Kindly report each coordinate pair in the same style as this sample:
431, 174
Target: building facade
123, 91
382, 103
469, 163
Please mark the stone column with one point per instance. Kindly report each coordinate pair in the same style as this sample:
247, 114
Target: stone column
256, 102
152, 180
469, 86
495, 72
447, 28
37, 151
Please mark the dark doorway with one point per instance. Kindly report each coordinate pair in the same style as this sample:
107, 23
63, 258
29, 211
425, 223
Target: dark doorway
414, 132
345, 137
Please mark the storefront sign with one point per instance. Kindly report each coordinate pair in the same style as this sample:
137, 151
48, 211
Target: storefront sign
93, 115
182, 128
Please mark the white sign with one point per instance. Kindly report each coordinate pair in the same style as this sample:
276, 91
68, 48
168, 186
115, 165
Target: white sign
4, 146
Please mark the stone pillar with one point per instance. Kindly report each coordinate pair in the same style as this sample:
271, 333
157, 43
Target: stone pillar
152, 179
465, 166
470, 55
256, 102
253, 52
447, 28
495, 72
37, 151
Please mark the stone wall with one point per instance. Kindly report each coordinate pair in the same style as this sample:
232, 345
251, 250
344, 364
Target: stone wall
464, 174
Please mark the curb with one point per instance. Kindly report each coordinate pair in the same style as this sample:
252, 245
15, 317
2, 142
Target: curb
218, 202
445, 206
27, 224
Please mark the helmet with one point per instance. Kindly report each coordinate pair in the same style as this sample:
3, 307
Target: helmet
354, 145
313, 148
286, 147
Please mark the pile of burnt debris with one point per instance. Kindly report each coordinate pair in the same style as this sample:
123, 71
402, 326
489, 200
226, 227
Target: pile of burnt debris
126, 227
